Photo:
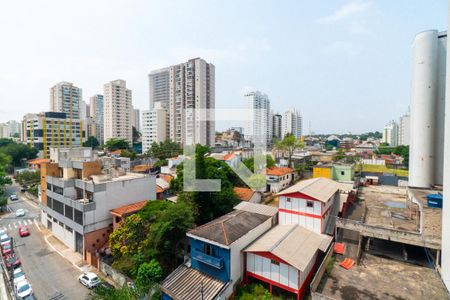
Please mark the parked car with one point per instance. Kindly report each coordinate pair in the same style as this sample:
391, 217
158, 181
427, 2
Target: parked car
29, 297
23, 289
6, 249
24, 231
13, 197
4, 239
20, 212
89, 279
18, 275
12, 262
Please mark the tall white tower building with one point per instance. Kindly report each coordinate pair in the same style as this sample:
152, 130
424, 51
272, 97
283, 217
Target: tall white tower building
404, 129
258, 126
66, 98
159, 87
192, 87
153, 126
292, 123
390, 134
117, 111
96, 112
427, 109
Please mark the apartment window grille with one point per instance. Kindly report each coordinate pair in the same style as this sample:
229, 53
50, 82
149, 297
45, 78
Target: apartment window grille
309, 203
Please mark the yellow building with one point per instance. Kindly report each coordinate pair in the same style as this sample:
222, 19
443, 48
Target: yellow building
325, 171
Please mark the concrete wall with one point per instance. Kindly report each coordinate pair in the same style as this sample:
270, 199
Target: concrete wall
109, 271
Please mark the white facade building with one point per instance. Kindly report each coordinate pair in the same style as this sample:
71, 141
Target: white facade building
153, 127
258, 127
390, 134
427, 109
13, 128
96, 112
159, 87
192, 87
66, 98
277, 126
404, 129
4, 130
292, 123
117, 111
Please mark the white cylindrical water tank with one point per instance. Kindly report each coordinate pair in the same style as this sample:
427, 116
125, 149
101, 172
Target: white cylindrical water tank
423, 109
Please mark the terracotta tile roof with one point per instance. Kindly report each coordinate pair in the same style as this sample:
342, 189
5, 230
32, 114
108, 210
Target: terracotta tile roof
141, 168
168, 178
279, 171
159, 189
38, 161
229, 156
128, 209
117, 152
245, 194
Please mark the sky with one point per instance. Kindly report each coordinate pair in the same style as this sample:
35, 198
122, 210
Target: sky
346, 65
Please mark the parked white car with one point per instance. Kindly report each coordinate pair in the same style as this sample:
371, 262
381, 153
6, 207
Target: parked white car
20, 212
89, 279
18, 275
4, 239
23, 289
13, 197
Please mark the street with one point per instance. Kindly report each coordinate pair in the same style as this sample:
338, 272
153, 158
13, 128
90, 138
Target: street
49, 274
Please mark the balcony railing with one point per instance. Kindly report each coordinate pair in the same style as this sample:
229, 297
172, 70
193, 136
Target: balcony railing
215, 262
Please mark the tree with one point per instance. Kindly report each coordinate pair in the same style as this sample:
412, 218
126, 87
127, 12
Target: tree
165, 150
124, 293
136, 135
117, 144
249, 162
207, 205
91, 142
149, 274
160, 163
17, 152
289, 144
129, 153
4, 160
27, 178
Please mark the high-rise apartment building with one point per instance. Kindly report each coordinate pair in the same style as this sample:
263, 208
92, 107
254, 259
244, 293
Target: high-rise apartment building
192, 102
13, 128
159, 87
51, 130
4, 130
292, 123
136, 117
66, 98
117, 111
259, 124
404, 130
153, 126
96, 112
277, 126
390, 134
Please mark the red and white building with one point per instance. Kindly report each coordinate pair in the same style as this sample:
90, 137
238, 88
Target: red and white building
310, 203
285, 257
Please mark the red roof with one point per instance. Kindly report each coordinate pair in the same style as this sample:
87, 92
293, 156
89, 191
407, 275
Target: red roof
229, 156
117, 152
129, 209
245, 194
159, 189
279, 171
168, 178
141, 168
38, 161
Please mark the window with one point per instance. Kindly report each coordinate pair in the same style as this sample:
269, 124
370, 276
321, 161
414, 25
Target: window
78, 216
309, 204
275, 262
68, 211
49, 202
58, 206
288, 199
342, 173
57, 190
49, 186
208, 249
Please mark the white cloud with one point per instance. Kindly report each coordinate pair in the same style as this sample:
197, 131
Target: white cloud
350, 9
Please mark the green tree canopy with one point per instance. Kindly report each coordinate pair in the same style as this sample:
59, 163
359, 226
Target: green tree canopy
249, 162
17, 152
91, 142
164, 150
117, 144
149, 273
136, 135
289, 144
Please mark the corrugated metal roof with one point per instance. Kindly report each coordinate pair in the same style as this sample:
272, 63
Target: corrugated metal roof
294, 244
257, 208
187, 283
320, 188
228, 228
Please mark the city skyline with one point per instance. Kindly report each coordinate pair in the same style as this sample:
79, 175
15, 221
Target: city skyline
342, 41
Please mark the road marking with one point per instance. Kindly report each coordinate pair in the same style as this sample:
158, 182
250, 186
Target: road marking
20, 223
29, 222
37, 225
9, 226
15, 225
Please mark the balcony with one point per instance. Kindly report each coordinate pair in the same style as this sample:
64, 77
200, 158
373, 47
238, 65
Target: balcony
215, 262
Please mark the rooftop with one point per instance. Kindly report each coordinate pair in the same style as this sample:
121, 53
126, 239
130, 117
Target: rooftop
320, 188
381, 278
294, 244
257, 208
229, 228
279, 171
188, 283
103, 178
245, 194
129, 209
